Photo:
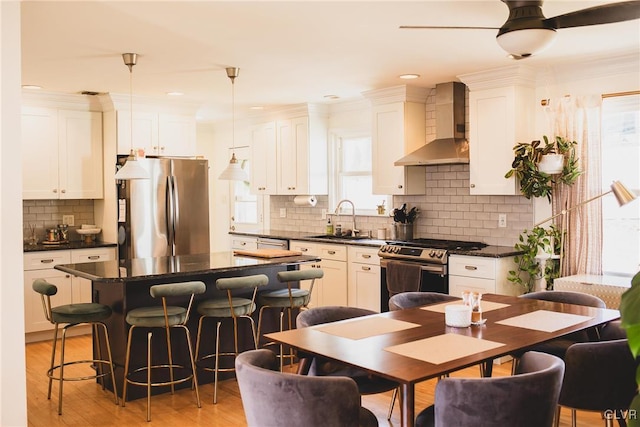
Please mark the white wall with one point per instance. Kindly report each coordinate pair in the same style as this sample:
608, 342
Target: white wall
13, 394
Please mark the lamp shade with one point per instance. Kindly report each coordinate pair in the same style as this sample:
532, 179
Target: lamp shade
526, 42
132, 170
233, 171
622, 193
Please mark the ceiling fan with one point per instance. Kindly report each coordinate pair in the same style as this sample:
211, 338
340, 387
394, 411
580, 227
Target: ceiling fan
527, 31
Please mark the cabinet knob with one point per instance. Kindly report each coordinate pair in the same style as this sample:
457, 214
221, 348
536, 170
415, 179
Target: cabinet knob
400, 186
304, 250
63, 191
366, 268
473, 186
55, 190
366, 256
332, 252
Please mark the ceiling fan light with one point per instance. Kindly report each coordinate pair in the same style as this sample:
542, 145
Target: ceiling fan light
526, 42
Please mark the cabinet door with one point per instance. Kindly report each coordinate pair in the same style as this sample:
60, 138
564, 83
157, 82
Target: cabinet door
333, 286
39, 153
293, 156
145, 132
34, 318
80, 154
176, 135
263, 159
364, 286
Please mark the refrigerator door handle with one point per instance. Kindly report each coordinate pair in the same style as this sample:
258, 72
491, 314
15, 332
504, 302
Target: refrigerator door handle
170, 209
176, 210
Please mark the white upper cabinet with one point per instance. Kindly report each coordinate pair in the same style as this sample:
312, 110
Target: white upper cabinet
399, 127
176, 135
289, 155
62, 154
501, 114
144, 132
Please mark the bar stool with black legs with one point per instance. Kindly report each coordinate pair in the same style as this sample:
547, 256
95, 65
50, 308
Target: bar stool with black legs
232, 307
287, 300
74, 315
167, 317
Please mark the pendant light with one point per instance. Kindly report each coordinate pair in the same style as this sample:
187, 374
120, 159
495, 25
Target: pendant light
131, 169
233, 171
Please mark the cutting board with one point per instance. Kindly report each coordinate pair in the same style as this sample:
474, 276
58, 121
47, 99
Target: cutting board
267, 253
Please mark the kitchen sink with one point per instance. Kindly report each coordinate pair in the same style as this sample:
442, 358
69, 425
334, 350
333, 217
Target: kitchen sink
333, 237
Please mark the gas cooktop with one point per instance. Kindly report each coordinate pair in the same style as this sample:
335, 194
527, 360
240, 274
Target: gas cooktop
426, 250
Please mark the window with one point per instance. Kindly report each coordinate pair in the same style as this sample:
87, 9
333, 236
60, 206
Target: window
246, 208
352, 178
620, 162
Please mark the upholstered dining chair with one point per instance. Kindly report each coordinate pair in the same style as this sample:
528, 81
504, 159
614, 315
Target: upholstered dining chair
405, 300
599, 376
558, 346
311, 365
527, 399
272, 398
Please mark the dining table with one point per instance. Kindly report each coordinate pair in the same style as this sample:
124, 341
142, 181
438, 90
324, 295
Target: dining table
413, 345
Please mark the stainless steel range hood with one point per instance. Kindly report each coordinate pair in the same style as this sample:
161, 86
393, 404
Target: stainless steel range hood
450, 145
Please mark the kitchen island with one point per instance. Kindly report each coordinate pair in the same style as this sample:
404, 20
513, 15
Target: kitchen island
124, 285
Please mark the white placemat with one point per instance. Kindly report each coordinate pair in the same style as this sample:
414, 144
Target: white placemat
365, 328
443, 348
544, 320
486, 306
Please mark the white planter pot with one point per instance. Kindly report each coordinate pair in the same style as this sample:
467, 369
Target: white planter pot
551, 163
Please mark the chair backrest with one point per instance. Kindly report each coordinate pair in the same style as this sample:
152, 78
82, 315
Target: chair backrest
527, 399
180, 289
299, 275
272, 398
231, 284
599, 376
568, 297
46, 291
327, 314
416, 299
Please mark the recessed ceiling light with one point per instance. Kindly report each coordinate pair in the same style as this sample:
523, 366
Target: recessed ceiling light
409, 76
257, 107
31, 87
332, 96
175, 93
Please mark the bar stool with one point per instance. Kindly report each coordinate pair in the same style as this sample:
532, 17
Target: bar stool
288, 299
166, 317
225, 308
74, 315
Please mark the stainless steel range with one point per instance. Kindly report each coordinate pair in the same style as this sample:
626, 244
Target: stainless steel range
432, 255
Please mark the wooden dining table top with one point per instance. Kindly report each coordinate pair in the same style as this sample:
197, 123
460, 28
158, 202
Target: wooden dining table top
376, 343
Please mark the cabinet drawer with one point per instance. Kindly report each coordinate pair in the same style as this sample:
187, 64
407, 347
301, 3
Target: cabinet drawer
307, 248
244, 243
470, 266
363, 255
333, 252
92, 255
459, 284
47, 259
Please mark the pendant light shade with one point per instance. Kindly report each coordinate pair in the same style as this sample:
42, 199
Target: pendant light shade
131, 169
233, 171
622, 193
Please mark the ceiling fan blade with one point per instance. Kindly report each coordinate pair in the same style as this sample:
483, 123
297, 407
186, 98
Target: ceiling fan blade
443, 27
604, 14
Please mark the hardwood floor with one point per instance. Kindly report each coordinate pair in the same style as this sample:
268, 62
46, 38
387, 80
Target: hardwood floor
86, 404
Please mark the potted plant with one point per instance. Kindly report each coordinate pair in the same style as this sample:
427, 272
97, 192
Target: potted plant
630, 316
540, 249
533, 166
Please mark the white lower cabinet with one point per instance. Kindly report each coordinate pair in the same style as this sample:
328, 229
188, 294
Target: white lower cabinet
364, 277
332, 288
40, 265
244, 242
481, 274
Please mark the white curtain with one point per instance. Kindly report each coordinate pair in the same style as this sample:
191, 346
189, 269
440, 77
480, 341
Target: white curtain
578, 119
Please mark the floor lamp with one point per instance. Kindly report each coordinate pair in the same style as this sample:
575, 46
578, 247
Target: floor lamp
623, 195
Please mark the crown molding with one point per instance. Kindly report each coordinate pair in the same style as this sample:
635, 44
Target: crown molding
513, 75
58, 100
401, 93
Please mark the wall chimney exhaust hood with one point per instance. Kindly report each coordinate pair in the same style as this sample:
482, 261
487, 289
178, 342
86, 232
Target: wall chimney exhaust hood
450, 145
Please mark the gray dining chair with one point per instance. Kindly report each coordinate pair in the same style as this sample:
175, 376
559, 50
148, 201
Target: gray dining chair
558, 346
599, 376
416, 299
274, 398
318, 366
527, 399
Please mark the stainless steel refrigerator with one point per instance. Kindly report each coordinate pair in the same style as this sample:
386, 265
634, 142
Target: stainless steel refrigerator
167, 214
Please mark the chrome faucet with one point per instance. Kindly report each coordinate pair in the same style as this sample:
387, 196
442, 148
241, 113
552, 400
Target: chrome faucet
355, 231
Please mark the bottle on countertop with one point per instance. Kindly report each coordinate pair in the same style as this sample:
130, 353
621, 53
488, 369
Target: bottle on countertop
329, 227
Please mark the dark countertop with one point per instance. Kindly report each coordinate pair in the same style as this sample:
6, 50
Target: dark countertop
490, 251
74, 244
183, 265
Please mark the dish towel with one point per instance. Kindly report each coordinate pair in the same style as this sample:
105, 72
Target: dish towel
403, 277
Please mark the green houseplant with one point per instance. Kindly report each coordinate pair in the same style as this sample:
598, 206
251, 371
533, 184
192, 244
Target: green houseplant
538, 244
526, 166
630, 316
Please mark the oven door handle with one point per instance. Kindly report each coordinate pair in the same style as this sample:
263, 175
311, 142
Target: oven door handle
432, 268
